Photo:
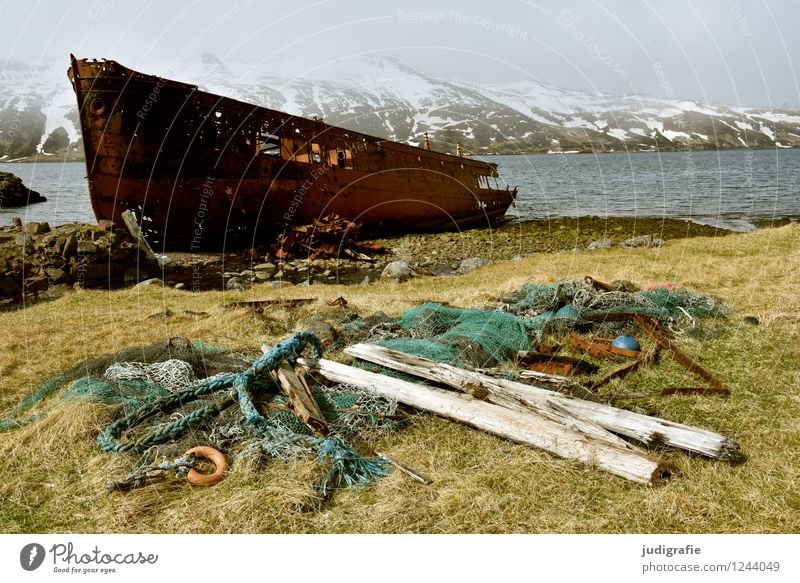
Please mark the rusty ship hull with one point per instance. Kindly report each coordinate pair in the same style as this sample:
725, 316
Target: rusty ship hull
205, 172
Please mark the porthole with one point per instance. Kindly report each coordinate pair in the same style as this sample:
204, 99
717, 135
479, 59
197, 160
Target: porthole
98, 106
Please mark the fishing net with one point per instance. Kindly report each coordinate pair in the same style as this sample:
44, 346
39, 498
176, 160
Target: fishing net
460, 336
167, 406
566, 304
204, 361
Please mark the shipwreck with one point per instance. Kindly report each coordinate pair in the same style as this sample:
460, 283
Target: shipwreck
205, 172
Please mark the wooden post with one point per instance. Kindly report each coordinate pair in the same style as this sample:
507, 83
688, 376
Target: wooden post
643, 428
527, 428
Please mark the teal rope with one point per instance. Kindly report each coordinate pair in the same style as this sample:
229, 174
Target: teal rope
286, 350
347, 467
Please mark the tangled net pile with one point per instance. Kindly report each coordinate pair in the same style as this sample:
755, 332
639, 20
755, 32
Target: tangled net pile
183, 411
485, 338
543, 305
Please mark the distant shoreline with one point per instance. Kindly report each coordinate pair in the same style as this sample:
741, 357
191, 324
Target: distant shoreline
42, 159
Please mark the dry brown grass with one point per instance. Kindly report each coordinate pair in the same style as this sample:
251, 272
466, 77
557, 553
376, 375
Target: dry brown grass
53, 475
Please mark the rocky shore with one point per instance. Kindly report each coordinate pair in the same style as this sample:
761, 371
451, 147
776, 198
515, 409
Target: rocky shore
37, 262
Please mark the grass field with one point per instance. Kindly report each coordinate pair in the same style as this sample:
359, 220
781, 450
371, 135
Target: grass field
53, 474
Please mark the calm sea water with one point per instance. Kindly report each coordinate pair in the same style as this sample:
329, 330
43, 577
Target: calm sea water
729, 189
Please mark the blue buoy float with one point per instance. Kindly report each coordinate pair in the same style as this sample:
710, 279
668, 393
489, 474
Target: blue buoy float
627, 343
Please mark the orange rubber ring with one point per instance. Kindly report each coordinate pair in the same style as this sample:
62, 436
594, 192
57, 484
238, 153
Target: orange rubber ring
195, 478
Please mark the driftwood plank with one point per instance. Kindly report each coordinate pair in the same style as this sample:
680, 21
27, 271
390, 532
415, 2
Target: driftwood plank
526, 428
643, 428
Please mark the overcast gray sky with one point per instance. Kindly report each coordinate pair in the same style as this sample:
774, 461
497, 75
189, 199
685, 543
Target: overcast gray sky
732, 51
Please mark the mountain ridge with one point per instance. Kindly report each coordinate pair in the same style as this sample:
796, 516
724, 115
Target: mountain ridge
387, 97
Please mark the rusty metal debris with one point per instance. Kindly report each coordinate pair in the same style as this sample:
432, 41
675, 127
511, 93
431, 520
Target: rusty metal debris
555, 364
601, 348
659, 335
331, 237
259, 305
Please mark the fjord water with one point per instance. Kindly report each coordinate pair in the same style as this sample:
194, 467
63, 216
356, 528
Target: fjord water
729, 189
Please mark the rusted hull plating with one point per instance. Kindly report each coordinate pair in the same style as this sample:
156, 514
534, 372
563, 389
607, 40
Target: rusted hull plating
204, 172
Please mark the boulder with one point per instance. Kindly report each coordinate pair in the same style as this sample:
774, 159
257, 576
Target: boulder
237, 284
9, 288
84, 247
35, 228
57, 275
601, 244
643, 241
471, 264
151, 281
15, 194
397, 271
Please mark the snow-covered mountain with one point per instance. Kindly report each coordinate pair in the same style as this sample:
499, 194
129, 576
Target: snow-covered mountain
385, 96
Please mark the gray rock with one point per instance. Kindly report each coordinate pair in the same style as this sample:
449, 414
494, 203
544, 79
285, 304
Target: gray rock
23, 239
279, 275
471, 264
306, 283
8, 287
35, 228
86, 247
397, 271
265, 267
262, 275
56, 275
601, 244
151, 281
365, 281
247, 273
180, 285
70, 247
237, 284
281, 284
643, 241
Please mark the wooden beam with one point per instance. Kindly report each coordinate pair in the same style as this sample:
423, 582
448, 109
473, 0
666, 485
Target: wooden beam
643, 428
527, 428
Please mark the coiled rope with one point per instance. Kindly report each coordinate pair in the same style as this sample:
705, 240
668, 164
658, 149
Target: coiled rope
346, 466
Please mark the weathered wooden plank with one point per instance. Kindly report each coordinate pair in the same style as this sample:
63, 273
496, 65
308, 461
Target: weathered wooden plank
527, 428
643, 428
